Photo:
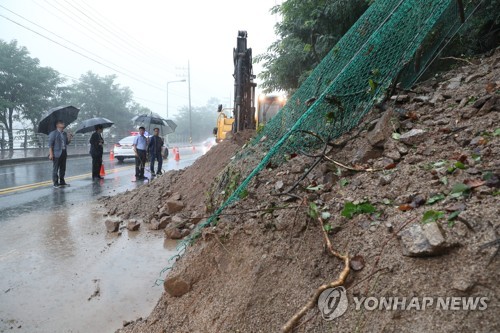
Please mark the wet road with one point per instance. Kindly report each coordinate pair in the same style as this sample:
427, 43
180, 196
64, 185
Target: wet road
59, 269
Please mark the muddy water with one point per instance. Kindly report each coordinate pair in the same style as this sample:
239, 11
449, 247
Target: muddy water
61, 272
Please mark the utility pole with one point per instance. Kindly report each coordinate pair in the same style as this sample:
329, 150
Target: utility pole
189, 96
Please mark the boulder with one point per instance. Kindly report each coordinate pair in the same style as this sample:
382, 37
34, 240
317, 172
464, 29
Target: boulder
133, 225
174, 206
112, 226
176, 196
383, 130
173, 233
413, 137
423, 240
176, 286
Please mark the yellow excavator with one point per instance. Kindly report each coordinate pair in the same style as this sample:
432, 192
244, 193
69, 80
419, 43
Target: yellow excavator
244, 115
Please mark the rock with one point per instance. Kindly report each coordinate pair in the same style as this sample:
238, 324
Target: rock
133, 225
413, 137
383, 130
473, 77
400, 98
185, 232
357, 263
392, 154
112, 226
176, 286
421, 99
278, 186
176, 196
436, 98
364, 152
162, 224
491, 104
174, 206
481, 101
297, 168
422, 241
454, 83
385, 180
173, 233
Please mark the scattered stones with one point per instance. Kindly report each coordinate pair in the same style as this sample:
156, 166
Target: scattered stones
176, 196
357, 263
413, 137
174, 206
421, 99
422, 241
133, 225
385, 179
400, 98
278, 186
382, 130
176, 286
297, 168
480, 102
112, 226
173, 233
454, 83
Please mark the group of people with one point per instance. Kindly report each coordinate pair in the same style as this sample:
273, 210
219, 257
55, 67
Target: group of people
59, 141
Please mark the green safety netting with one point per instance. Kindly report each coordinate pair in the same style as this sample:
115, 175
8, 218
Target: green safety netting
393, 41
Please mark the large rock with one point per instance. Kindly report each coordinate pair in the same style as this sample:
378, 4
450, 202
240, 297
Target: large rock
176, 286
173, 233
112, 226
413, 137
133, 225
423, 241
174, 206
364, 152
383, 130
162, 224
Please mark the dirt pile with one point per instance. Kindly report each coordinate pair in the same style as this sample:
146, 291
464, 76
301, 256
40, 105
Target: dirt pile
176, 196
420, 223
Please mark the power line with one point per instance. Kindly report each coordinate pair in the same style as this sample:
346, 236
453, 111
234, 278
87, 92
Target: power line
125, 49
70, 42
81, 54
117, 29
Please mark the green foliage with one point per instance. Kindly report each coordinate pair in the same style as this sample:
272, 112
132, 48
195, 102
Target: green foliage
344, 182
459, 189
435, 198
351, 209
307, 32
26, 88
432, 216
313, 211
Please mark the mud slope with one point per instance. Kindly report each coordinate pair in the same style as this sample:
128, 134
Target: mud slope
436, 153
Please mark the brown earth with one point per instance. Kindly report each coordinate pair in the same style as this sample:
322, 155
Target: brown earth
252, 271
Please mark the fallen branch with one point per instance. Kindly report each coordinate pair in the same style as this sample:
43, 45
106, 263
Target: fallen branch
457, 59
292, 322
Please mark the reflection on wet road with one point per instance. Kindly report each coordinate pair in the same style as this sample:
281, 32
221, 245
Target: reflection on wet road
59, 269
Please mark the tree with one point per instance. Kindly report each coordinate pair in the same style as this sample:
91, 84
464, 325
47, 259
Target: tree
203, 120
308, 31
98, 96
26, 88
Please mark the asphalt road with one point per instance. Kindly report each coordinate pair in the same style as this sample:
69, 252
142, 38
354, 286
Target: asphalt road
60, 271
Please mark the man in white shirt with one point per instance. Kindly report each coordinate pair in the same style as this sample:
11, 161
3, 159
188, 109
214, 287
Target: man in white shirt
140, 145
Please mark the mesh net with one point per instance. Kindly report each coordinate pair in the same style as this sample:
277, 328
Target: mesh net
393, 41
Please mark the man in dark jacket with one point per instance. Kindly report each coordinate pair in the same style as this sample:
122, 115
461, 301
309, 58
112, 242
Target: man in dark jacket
58, 142
155, 150
96, 150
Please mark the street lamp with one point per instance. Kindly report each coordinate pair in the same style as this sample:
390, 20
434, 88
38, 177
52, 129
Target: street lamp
184, 80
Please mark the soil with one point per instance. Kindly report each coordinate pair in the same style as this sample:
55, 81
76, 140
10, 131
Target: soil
266, 257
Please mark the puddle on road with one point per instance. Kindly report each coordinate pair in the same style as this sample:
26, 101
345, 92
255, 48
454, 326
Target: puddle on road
61, 272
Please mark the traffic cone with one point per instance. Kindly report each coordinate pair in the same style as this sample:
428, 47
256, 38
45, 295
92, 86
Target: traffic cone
102, 173
177, 155
111, 155
194, 148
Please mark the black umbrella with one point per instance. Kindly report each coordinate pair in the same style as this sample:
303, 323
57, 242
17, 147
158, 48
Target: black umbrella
68, 114
89, 124
168, 126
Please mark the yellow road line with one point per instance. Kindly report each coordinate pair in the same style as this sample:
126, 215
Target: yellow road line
49, 182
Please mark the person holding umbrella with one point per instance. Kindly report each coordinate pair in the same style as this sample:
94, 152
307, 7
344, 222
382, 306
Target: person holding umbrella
155, 150
96, 151
58, 142
140, 145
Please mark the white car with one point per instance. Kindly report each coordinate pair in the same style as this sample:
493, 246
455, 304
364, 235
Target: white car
123, 149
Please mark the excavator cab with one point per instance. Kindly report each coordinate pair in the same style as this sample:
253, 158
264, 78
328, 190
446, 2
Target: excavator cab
225, 123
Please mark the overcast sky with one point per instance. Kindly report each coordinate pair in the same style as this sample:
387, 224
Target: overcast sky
148, 41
